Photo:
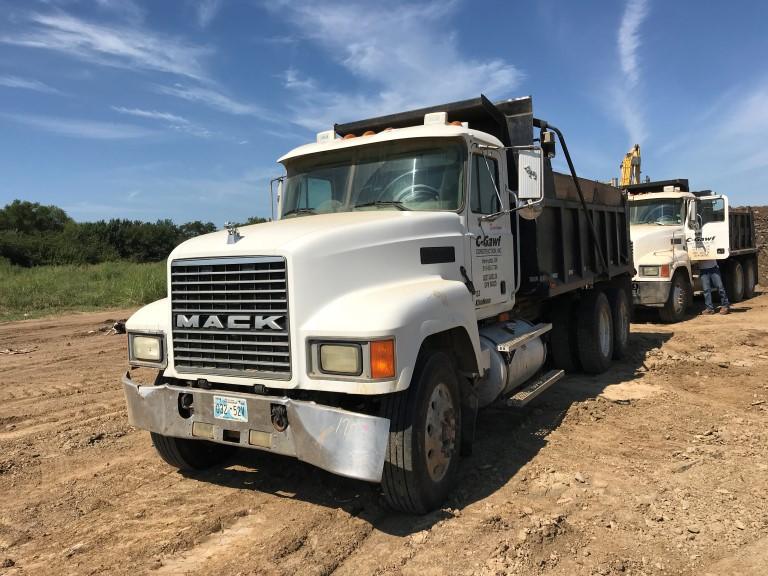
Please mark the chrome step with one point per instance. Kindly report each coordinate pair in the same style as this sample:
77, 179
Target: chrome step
525, 395
525, 337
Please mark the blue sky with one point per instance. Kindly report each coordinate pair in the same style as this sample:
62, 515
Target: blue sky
178, 109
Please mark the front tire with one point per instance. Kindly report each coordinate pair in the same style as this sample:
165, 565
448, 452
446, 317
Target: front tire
422, 457
188, 454
595, 332
679, 299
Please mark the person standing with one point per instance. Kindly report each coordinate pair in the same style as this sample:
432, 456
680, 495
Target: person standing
709, 274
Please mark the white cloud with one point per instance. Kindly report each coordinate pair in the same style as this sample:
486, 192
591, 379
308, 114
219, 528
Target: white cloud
153, 114
124, 8
175, 122
635, 12
213, 99
207, 11
405, 53
118, 46
626, 98
27, 84
81, 128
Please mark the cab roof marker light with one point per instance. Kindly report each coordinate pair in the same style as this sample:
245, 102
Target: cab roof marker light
435, 118
326, 137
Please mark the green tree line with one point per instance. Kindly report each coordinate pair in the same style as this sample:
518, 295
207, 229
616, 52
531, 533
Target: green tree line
32, 235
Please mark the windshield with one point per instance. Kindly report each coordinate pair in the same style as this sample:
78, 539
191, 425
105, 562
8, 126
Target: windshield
396, 175
664, 211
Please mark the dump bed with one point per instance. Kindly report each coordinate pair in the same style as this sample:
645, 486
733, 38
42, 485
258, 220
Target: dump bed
557, 251
741, 224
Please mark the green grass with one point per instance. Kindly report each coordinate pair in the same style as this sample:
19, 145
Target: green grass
46, 290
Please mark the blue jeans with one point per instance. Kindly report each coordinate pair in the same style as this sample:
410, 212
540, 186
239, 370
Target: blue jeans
710, 278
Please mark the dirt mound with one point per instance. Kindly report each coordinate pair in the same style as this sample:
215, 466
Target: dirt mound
761, 233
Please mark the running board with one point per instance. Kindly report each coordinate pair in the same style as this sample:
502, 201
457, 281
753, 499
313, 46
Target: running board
511, 345
525, 395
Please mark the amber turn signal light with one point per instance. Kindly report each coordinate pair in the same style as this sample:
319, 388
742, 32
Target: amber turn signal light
383, 359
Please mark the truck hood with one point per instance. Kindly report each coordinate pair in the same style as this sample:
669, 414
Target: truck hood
650, 241
345, 230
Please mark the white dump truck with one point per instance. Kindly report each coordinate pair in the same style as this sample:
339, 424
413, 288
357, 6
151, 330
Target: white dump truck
422, 266
672, 229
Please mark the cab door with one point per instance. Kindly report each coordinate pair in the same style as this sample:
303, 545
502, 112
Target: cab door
491, 247
707, 236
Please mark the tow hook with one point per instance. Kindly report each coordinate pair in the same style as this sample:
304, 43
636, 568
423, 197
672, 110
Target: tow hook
279, 417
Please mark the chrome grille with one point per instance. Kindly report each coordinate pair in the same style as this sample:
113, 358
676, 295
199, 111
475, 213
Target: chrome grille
230, 316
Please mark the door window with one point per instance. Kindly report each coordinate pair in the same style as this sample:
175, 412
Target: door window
711, 211
485, 178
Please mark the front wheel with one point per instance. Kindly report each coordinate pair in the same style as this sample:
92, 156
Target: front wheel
188, 454
424, 437
678, 300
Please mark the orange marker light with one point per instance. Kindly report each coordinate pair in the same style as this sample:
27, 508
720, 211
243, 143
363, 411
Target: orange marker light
383, 359
664, 270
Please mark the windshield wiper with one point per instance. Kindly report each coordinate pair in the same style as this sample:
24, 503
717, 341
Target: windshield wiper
396, 203
299, 211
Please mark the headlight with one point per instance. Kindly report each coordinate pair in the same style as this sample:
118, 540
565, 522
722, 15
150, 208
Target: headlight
146, 349
355, 360
655, 271
341, 359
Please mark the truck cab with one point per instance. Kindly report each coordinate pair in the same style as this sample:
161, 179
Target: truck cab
672, 230
363, 329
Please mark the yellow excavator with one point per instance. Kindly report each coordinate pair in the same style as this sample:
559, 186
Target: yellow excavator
630, 167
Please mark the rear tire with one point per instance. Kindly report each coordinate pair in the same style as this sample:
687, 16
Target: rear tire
423, 451
734, 281
562, 337
594, 332
188, 454
619, 301
679, 299
750, 278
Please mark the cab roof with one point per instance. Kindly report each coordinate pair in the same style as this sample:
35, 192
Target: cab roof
388, 135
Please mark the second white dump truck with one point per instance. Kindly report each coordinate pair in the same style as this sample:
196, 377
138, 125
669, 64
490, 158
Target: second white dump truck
672, 229
423, 265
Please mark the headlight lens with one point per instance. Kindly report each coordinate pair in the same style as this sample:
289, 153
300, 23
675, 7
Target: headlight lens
341, 359
656, 271
147, 348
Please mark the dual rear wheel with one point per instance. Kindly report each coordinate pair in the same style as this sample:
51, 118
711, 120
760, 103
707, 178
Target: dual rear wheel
587, 334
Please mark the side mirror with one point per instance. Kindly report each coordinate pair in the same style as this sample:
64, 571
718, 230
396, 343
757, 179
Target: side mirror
548, 143
279, 182
530, 174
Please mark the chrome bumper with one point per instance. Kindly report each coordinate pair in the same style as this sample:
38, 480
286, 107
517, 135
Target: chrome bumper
345, 443
650, 293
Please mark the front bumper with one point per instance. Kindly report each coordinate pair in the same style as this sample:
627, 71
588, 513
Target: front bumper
650, 293
339, 441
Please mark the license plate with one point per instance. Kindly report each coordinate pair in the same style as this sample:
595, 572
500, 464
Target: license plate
234, 409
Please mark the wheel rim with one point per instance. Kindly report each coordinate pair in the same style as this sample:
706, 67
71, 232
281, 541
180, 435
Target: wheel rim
604, 324
440, 432
678, 298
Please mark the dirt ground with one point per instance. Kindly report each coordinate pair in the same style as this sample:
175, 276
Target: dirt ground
658, 467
